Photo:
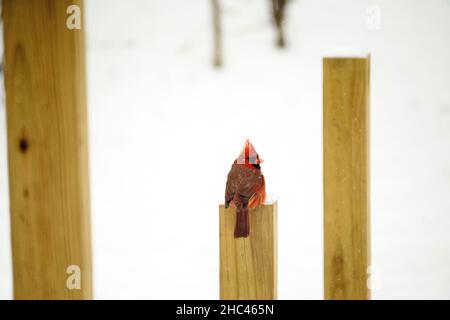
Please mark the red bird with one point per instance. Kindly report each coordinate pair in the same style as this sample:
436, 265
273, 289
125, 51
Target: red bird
245, 188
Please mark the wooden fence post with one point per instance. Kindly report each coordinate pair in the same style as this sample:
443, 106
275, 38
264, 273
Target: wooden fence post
47, 150
346, 177
248, 266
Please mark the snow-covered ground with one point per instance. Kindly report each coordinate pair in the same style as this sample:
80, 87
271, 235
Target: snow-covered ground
165, 127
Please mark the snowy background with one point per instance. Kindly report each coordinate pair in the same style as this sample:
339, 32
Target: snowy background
165, 127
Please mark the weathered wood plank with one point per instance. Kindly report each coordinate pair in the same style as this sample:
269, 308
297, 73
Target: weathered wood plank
248, 266
346, 177
47, 149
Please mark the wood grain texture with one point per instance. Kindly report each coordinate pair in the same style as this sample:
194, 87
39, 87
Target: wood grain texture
249, 266
346, 177
47, 149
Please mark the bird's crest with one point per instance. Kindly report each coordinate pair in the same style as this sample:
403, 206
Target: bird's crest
248, 154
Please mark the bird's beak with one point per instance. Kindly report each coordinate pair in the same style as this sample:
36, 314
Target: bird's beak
260, 160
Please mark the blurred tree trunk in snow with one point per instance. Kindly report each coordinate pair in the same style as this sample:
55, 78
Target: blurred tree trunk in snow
278, 19
217, 34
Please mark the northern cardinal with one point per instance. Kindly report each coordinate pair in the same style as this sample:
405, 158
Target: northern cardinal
245, 187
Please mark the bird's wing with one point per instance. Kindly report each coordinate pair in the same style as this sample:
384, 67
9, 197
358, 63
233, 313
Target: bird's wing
251, 183
230, 187
259, 197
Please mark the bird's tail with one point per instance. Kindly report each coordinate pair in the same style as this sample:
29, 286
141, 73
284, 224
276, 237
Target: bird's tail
242, 229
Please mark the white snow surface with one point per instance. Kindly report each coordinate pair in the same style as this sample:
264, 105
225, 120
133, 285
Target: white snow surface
165, 127
346, 52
